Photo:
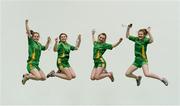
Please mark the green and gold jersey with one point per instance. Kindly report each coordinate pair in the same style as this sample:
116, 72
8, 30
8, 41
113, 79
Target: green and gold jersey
34, 50
140, 46
64, 49
100, 48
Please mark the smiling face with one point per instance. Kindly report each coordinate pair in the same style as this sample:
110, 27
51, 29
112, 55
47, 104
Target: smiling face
63, 37
102, 37
35, 36
142, 33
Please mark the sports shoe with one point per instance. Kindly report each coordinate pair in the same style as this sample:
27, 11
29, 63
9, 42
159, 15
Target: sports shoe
51, 74
24, 79
138, 80
164, 80
111, 77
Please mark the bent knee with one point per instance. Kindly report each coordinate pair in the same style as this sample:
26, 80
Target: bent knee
147, 74
69, 77
92, 78
127, 74
96, 77
43, 78
38, 77
73, 76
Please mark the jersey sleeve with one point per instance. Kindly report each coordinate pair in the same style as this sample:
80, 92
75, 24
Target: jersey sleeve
94, 43
108, 46
43, 47
59, 46
147, 40
30, 40
72, 47
132, 38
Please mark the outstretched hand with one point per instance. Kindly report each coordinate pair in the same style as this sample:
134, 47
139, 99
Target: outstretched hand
120, 40
26, 20
79, 36
93, 31
49, 39
117, 43
130, 26
148, 29
56, 39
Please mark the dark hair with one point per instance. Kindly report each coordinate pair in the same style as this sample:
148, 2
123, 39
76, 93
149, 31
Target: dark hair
103, 34
61, 35
145, 32
32, 32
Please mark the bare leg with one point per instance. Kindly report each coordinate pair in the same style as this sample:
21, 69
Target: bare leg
64, 74
149, 74
93, 74
43, 76
34, 75
105, 71
100, 75
111, 77
129, 72
73, 74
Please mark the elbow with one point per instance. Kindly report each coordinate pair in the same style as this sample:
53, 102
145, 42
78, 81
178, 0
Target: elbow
54, 50
127, 35
46, 47
76, 48
152, 41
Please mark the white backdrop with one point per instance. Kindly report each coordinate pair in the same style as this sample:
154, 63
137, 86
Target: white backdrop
50, 18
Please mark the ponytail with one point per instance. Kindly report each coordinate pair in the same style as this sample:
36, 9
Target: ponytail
145, 32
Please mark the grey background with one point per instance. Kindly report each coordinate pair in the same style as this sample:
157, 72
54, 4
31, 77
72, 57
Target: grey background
50, 18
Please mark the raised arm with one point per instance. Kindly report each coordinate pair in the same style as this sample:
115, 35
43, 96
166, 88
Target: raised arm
27, 28
78, 41
55, 45
128, 30
93, 33
150, 35
117, 43
48, 42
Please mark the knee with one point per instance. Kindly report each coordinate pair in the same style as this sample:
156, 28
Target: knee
96, 77
147, 74
92, 78
127, 74
43, 78
38, 77
69, 77
73, 76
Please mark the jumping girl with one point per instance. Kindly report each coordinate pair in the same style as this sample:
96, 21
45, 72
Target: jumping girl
141, 61
34, 50
63, 48
100, 46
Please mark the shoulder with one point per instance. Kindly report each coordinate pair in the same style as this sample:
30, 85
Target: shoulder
60, 43
95, 42
30, 40
132, 37
106, 43
146, 40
